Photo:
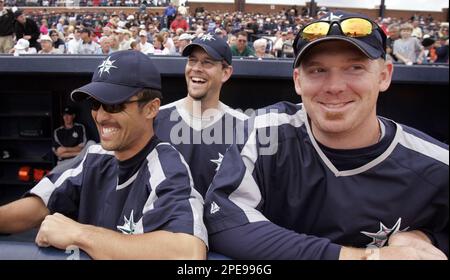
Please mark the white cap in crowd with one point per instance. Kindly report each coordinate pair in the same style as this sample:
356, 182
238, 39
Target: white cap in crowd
22, 44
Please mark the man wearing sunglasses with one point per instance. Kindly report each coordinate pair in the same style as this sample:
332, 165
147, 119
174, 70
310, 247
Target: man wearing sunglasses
199, 125
343, 182
130, 197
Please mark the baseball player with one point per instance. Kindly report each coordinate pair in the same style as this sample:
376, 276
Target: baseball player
199, 125
131, 197
337, 181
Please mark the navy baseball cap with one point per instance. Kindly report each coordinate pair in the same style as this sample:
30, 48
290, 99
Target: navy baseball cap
120, 76
214, 46
68, 110
373, 45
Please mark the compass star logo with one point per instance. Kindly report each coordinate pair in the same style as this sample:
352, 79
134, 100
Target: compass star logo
218, 161
382, 235
106, 66
207, 37
332, 17
129, 225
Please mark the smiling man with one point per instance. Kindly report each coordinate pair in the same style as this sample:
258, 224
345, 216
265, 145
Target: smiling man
342, 183
131, 197
199, 125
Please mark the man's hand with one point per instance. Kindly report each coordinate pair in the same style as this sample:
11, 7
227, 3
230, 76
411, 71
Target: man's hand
417, 240
58, 231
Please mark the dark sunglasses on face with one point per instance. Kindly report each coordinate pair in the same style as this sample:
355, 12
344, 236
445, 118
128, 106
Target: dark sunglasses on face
113, 108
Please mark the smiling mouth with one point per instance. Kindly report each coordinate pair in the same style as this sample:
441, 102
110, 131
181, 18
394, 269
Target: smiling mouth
332, 106
198, 81
108, 132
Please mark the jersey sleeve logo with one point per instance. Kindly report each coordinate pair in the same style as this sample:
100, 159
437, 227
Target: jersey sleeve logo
129, 225
214, 208
382, 235
218, 161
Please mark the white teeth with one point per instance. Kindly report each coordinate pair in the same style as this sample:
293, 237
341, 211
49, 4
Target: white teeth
198, 80
109, 130
328, 105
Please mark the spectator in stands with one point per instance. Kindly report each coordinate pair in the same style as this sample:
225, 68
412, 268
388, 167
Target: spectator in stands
43, 29
70, 138
442, 50
260, 46
183, 41
179, 22
74, 42
417, 30
328, 178
429, 52
145, 47
169, 13
58, 43
26, 28
407, 49
22, 47
105, 45
393, 34
88, 46
241, 48
6, 28
47, 45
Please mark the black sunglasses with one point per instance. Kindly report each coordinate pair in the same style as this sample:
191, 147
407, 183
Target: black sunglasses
113, 108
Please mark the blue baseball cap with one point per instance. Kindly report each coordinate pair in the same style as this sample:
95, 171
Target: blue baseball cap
373, 45
120, 76
213, 45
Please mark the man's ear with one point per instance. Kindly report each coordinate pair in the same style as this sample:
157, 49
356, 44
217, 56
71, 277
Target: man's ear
227, 72
387, 69
152, 108
296, 77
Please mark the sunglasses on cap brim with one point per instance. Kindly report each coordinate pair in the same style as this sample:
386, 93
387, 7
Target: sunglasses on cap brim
350, 27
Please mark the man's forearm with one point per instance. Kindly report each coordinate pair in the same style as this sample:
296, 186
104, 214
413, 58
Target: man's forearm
22, 215
102, 243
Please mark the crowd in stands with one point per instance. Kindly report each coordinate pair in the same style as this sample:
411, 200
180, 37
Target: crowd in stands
416, 40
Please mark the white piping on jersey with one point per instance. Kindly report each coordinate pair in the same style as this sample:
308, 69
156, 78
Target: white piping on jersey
127, 183
156, 177
360, 169
45, 187
424, 147
247, 196
196, 202
55, 135
198, 124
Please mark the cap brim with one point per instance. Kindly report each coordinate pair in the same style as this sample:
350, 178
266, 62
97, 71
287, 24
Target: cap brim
210, 51
365, 48
104, 92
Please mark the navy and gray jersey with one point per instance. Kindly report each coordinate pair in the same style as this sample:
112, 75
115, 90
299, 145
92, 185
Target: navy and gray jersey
151, 191
69, 137
201, 141
293, 198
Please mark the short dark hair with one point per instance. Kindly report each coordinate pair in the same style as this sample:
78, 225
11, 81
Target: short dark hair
243, 33
148, 94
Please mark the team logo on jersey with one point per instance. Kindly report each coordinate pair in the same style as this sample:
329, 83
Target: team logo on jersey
75, 134
106, 66
214, 208
129, 225
218, 161
382, 235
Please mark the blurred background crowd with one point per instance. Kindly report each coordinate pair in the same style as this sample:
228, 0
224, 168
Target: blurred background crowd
416, 40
